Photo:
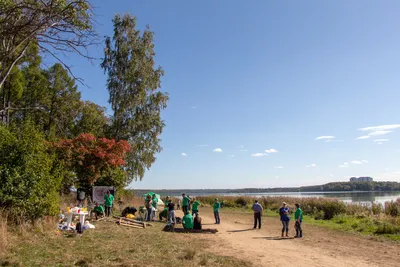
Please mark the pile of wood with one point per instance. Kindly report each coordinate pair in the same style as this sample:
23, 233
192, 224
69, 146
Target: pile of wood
130, 223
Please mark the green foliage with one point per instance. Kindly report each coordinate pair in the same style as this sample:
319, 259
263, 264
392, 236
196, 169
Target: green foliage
240, 201
30, 180
133, 83
392, 208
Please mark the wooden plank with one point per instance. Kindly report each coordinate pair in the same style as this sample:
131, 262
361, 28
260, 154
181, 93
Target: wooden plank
130, 225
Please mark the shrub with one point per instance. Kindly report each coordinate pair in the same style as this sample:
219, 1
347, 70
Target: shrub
392, 208
387, 228
241, 202
29, 178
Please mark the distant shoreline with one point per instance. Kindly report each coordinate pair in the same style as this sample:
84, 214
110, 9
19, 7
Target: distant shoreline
338, 187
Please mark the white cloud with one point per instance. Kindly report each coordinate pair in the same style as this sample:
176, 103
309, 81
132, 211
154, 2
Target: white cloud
272, 150
258, 155
381, 140
218, 150
380, 128
365, 161
356, 162
363, 137
184, 154
278, 167
379, 133
311, 166
325, 137
344, 165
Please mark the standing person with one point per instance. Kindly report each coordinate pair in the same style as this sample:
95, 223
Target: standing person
179, 204
149, 207
154, 202
185, 204
108, 202
222, 204
171, 213
195, 206
216, 207
258, 209
284, 212
298, 216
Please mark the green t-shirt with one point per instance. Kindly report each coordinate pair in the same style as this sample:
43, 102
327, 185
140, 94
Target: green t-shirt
108, 200
217, 205
99, 209
298, 214
196, 205
187, 221
155, 203
185, 201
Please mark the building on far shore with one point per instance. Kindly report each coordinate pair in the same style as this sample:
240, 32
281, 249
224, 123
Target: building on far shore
361, 179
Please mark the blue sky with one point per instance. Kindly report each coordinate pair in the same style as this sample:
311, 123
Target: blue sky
245, 77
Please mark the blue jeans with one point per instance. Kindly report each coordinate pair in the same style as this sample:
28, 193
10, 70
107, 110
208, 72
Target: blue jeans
285, 226
171, 217
216, 216
149, 214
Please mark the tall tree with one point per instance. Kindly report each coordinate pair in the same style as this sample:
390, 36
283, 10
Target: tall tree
134, 84
55, 25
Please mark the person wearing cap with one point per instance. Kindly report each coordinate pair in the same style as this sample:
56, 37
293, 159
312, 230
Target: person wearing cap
298, 216
258, 209
284, 212
216, 207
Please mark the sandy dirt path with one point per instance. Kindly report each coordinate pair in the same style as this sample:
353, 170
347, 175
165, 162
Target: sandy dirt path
318, 247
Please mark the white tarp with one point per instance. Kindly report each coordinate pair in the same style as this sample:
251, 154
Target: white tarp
100, 191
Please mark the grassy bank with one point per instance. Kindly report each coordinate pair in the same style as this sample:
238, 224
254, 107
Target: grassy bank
377, 220
107, 245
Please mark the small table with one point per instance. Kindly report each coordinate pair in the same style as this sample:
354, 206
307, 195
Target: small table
70, 215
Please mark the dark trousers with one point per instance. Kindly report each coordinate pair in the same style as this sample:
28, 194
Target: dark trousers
216, 216
185, 210
299, 231
149, 214
194, 212
108, 211
257, 218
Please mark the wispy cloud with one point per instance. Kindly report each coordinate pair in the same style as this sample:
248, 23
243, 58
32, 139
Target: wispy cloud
381, 140
241, 146
344, 165
311, 166
184, 154
380, 128
359, 161
325, 137
202, 145
272, 150
377, 133
363, 137
278, 167
258, 155
218, 150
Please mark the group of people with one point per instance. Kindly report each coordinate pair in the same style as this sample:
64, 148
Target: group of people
99, 210
284, 213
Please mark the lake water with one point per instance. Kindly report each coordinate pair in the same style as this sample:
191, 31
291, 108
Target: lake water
348, 197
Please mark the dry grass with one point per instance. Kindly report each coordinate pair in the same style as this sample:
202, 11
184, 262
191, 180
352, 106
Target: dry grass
107, 245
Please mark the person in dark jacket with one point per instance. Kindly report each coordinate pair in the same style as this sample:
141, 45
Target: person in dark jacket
258, 209
284, 213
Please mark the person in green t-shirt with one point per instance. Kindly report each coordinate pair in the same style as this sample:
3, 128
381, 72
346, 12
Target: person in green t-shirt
298, 216
185, 204
216, 207
154, 203
195, 206
108, 202
98, 210
187, 221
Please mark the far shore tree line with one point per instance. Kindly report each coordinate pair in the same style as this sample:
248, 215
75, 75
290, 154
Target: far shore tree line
51, 139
